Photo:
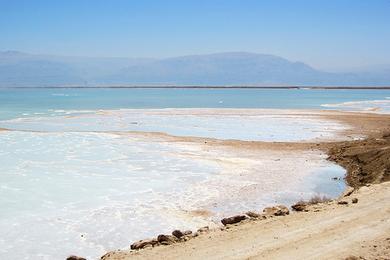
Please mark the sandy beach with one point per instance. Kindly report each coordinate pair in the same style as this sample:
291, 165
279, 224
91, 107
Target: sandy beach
331, 230
326, 231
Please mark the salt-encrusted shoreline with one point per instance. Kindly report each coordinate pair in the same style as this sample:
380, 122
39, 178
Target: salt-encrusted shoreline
347, 154
351, 155
362, 125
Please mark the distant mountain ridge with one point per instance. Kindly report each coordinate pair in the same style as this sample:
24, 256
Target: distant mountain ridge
19, 69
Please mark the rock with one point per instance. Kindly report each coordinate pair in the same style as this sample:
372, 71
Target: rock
252, 214
355, 200
194, 234
73, 257
348, 192
177, 233
278, 210
351, 257
187, 232
300, 206
166, 239
204, 229
106, 256
342, 202
233, 220
143, 243
147, 246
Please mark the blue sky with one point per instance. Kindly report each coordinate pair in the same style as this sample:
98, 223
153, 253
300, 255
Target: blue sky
324, 33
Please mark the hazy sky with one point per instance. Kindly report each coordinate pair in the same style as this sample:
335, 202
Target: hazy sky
323, 33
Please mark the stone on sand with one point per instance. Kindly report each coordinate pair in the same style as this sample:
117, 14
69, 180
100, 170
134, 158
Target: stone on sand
143, 243
299, 206
177, 233
166, 239
279, 210
252, 214
73, 257
233, 220
203, 229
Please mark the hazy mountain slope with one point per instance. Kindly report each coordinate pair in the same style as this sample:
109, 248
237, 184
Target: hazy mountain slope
22, 69
236, 68
19, 69
223, 68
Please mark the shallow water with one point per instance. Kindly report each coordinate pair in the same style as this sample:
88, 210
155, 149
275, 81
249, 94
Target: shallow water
378, 106
57, 187
86, 193
261, 127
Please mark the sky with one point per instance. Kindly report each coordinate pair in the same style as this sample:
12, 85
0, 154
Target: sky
327, 34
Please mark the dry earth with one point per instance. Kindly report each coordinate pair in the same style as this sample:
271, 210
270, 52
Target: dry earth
327, 231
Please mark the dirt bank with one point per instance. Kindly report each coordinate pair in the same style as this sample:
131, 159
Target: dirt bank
367, 161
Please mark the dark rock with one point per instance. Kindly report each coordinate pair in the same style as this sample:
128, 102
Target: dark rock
300, 206
187, 232
351, 257
355, 200
252, 214
106, 256
203, 229
73, 257
177, 233
143, 243
348, 192
166, 239
342, 202
233, 220
278, 210
194, 234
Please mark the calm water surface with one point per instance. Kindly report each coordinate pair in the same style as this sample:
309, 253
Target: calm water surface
29, 102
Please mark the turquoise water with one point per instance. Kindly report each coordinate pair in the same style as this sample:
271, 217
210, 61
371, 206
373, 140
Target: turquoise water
16, 103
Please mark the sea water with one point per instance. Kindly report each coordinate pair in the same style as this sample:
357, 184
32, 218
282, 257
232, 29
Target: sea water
15, 103
72, 181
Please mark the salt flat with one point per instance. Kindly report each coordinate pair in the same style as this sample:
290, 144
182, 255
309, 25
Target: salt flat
237, 124
92, 182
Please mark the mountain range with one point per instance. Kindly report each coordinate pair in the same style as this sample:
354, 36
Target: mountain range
19, 69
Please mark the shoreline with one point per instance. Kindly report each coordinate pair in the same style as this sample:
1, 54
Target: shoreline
209, 87
352, 227
331, 125
344, 153
369, 125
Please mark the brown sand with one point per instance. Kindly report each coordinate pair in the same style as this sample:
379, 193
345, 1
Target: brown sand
327, 231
